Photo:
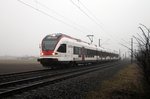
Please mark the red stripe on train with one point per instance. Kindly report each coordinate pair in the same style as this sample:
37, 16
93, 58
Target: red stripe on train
49, 52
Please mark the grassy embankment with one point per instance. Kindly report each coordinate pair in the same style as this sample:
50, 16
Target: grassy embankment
128, 83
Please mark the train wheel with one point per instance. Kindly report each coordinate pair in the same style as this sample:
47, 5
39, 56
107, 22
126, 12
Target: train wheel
72, 64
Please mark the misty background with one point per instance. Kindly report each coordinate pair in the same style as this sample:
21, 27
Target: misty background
24, 23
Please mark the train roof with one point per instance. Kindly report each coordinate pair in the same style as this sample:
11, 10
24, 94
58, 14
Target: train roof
61, 35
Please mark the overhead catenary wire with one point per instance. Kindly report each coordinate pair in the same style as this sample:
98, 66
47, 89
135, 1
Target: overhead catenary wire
105, 42
91, 16
58, 14
59, 20
86, 14
96, 19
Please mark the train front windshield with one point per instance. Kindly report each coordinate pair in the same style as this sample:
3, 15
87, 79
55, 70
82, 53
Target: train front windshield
49, 43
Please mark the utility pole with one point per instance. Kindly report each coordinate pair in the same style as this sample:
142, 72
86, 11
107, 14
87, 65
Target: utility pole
131, 50
119, 53
99, 42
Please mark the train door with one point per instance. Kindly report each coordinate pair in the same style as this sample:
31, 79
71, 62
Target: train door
62, 52
70, 52
83, 53
65, 51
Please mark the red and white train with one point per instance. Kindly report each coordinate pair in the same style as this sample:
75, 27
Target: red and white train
58, 48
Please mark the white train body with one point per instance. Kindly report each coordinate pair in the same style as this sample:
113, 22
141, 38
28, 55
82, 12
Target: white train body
63, 49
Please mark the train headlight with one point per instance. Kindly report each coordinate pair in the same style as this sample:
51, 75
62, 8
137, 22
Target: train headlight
54, 53
42, 53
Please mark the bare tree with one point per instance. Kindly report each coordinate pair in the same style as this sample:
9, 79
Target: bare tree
143, 55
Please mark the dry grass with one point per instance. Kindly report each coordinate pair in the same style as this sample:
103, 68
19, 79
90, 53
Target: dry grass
18, 61
18, 65
126, 84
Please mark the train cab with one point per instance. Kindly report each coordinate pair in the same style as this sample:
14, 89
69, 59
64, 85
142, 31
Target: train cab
53, 50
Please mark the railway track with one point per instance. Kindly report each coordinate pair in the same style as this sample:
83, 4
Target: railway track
9, 88
22, 75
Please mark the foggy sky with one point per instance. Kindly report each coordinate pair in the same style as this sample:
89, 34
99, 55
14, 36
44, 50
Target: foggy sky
22, 28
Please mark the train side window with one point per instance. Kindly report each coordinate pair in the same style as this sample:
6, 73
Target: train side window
76, 50
62, 48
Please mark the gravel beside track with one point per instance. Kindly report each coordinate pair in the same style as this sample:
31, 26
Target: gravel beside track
74, 88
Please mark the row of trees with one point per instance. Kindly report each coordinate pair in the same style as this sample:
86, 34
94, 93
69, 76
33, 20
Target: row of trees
143, 53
